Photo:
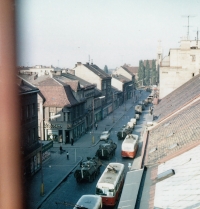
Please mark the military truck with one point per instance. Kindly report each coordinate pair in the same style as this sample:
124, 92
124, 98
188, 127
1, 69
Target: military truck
123, 132
106, 150
88, 170
138, 109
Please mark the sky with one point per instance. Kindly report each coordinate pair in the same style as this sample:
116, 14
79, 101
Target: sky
105, 32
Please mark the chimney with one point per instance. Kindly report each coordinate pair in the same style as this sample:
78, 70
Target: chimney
87, 63
79, 63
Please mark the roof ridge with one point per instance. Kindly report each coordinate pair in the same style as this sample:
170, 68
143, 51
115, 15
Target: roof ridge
58, 81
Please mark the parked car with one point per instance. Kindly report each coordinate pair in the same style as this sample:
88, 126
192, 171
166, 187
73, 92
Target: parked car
142, 104
105, 135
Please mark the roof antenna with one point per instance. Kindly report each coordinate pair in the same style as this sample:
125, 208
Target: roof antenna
197, 37
188, 26
89, 59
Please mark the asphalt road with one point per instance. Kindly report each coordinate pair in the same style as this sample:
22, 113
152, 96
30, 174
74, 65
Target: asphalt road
70, 191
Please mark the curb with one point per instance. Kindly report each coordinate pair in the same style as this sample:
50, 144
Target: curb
63, 179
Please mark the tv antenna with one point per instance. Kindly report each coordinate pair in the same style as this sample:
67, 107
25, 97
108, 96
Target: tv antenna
197, 38
188, 26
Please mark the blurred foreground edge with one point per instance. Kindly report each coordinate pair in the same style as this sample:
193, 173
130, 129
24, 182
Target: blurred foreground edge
11, 190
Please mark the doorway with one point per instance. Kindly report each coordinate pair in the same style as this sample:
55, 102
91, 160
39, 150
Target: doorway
67, 137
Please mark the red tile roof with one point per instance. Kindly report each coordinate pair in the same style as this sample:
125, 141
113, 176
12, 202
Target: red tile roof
133, 70
176, 133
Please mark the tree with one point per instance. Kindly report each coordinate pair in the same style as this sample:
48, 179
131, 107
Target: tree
141, 73
153, 73
106, 69
147, 73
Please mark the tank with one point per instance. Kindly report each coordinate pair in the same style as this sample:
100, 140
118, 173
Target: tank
138, 109
107, 150
123, 132
88, 170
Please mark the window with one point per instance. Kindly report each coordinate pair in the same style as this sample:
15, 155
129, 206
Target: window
29, 137
50, 115
38, 106
34, 134
28, 111
33, 109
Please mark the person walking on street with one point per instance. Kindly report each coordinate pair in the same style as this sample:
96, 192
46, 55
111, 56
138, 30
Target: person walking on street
96, 125
61, 149
67, 155
72, 141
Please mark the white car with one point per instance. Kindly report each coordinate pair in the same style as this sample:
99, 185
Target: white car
105, 135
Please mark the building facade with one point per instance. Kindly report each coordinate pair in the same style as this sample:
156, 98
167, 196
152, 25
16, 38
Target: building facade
101, 79
179, 66
30, 146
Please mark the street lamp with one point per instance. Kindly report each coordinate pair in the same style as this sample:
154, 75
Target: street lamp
124, 95
93, 117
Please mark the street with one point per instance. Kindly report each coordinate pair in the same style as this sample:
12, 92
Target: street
69, 191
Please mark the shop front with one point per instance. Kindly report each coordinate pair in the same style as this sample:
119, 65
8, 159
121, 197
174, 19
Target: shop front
107, 110
32, 162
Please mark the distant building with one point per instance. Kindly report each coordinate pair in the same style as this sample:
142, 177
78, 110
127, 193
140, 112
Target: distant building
179, 66
124, 85
133, 70
123, 75
93, 74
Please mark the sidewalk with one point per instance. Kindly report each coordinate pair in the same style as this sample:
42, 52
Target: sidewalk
58, 168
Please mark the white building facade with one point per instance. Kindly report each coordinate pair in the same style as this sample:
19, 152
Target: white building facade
179, 66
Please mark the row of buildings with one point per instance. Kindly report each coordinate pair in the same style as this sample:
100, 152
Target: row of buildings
60, 104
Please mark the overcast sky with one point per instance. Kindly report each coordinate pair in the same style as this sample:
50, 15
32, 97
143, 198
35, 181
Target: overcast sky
109, 32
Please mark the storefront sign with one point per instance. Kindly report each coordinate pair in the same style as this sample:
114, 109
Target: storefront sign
50, 126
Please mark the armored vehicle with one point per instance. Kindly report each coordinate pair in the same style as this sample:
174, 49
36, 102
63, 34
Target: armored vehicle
123, 132
107, 150
138, 109
88, 170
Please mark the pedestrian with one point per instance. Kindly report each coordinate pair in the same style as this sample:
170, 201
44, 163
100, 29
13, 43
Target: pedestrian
72, 141
67, 155
61, 149
96, 125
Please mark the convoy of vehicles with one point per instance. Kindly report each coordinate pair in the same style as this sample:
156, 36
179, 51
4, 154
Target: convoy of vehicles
110, 184
88, 169
89, 201
107, 150
105, 135
130, 146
